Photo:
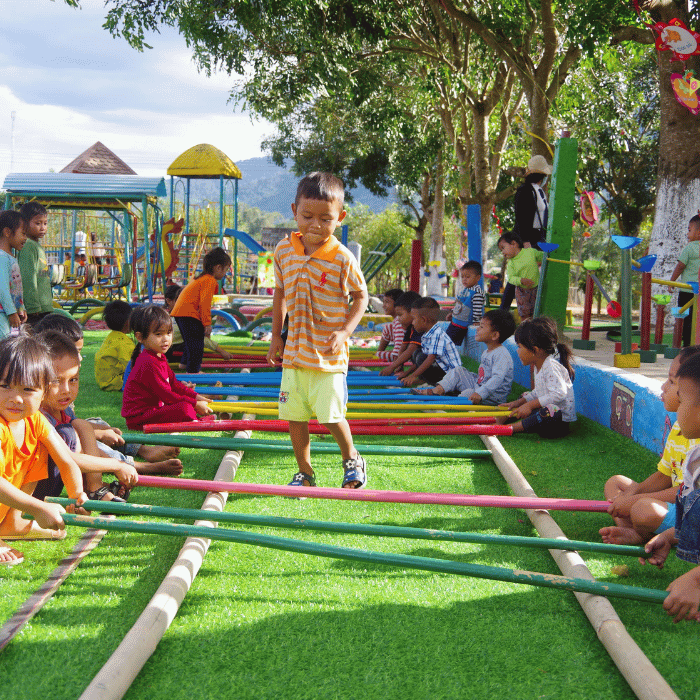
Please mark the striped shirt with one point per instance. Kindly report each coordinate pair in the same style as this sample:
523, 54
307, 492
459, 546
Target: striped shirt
392, 333
316, 290
437, 342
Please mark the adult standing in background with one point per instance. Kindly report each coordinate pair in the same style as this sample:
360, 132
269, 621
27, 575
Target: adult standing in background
80, 242
531, 212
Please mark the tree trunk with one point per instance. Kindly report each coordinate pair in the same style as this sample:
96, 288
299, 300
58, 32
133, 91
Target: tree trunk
436, 261
678, 177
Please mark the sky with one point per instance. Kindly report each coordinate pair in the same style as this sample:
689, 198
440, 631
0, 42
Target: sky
70, 84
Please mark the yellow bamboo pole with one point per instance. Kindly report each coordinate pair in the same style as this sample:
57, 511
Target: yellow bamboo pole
460, 408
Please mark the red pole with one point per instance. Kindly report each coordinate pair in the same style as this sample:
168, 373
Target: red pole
645, 320
678, 333
659, 329
416, 267
587, 308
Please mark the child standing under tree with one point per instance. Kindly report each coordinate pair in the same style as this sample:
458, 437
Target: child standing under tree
192, 310
12, 235
687, 269
469, 306
549, 408
314, 275
36, 285
522, 272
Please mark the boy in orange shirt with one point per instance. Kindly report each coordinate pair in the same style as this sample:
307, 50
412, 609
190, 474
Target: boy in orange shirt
314, 275
192, 310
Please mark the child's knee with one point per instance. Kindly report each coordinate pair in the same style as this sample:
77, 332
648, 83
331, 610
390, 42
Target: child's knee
616, 484
648, 513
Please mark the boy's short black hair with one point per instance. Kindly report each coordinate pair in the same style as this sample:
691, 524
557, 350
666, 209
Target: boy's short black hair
61, 323
116, 314
428, 307
407, 299
501, 321
393, 294
31, 209
10, 219
59, 345
324, 186
24, 359
510, 237
695, 220
690, 369
472, 265
172, 292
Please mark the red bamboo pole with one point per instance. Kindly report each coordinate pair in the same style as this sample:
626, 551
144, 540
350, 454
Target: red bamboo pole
659, 329
282, 426
645, 320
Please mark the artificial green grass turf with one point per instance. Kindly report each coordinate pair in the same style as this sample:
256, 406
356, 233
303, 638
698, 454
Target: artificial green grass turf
262, 623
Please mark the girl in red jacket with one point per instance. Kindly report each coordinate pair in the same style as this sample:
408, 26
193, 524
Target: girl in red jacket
152, 394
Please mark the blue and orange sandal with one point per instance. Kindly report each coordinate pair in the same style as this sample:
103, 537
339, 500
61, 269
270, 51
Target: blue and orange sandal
300, 477
355, 470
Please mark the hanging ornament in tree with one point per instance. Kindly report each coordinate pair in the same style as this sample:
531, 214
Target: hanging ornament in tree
685, 88
674, 36
589, 209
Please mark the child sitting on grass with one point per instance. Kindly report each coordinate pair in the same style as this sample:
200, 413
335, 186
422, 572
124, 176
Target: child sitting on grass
437, 354
549, 408
642, 509
172, 292
152, 393
78, 435
392, 333
469, 306
491, 384
159, 459
12, 236
522, 272
411, 339
27, 440
684, 592
115, 352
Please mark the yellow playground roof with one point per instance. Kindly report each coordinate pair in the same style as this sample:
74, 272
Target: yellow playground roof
204, 161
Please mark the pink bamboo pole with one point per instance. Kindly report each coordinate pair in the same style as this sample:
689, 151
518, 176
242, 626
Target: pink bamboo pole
234, 364
444, 499
353, 422
282, 426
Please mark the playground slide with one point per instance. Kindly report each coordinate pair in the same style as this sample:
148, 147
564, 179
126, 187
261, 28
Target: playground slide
245, 239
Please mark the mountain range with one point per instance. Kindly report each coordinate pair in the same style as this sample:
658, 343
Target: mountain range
271, 189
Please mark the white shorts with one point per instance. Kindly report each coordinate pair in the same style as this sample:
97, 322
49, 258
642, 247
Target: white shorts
305, 392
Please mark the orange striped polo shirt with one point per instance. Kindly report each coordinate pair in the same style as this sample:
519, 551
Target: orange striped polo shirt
316, 290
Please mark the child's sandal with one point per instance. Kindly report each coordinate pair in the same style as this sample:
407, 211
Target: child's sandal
100, 493
300, 477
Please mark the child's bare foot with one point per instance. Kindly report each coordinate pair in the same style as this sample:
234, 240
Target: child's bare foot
429, 391
9, 556
172, 467
153, 453
620, 535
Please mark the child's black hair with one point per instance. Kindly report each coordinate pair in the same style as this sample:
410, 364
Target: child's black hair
534, 177
393, 294
472, 265
31, 209
428, 307
25, 360
694, 220
688, 352
172, 292
216, 256
61, 323
501, 321
690, 369
510, 237
407, 299
116, 314
10, 219
541, 332
324, 186
59, 345
145, 319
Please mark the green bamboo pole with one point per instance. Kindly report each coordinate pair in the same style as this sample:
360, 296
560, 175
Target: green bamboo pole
413, 533
532, 578
214, 443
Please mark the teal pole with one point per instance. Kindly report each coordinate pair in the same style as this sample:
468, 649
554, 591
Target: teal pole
412, 533
532, 578
217, 443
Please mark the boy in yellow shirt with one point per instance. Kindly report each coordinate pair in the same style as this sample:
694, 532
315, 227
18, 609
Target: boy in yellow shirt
115, 352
